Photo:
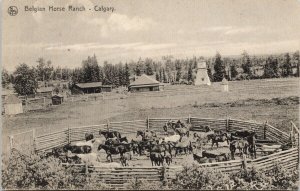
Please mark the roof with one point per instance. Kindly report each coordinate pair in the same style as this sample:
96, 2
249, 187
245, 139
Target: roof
144, 80
58, 95
12, 99
89, 85
44, 89
6, 92
201, 65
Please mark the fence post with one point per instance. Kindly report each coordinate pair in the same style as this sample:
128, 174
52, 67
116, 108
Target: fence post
45, 102
86, 169
227, 123
265, 129
34, 140
147, 122
189, 119
69, 135
107, 125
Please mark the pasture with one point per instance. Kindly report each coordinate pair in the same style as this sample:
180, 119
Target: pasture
173, 101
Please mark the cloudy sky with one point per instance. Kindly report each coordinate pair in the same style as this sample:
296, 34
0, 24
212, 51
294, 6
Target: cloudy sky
148, 28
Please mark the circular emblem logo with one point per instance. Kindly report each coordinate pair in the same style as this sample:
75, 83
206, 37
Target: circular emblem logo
12, 10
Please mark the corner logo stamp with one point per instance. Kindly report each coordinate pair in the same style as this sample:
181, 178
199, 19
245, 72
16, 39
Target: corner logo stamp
12, 10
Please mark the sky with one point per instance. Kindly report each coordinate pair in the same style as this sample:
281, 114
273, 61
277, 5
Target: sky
148, 28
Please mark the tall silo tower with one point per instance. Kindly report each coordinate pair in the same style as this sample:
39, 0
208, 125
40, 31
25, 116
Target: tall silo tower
202, 76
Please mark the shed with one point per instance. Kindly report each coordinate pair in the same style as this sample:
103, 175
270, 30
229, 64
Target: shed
93, 87
12, 105
57, 99
224, 85
144, 83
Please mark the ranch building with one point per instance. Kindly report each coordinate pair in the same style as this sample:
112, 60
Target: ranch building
93, 87
144, 83
57, 99
44, 92
12, 105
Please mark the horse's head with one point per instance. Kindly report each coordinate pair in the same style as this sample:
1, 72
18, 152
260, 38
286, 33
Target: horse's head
100, 147
165, 127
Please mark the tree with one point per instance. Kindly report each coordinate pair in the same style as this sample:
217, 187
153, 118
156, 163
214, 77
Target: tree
233, 71
219, 68
190, 73
5, 78
148, 65
287, 66
164, 76
44, 70
127, 75
90, 69
296, 58
210, 75
246, 64
157, 76
25, 80
160, 75
178, 70
271, 68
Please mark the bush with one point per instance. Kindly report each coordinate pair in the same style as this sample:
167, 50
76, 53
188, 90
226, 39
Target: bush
142, 184
197, 177
38, 172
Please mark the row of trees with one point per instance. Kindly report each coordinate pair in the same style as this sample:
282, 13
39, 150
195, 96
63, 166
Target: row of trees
167, 70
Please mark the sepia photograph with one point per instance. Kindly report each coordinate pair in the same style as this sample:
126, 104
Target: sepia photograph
150, 94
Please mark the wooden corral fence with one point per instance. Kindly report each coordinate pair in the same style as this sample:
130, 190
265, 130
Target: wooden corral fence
68, 135
117, 177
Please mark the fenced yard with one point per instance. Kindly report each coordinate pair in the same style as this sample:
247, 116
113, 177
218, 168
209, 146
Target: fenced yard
118, 177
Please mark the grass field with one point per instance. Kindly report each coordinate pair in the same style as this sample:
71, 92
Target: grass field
246, 100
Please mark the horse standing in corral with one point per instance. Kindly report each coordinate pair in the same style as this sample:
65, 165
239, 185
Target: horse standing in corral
146, 135
182, 147
83, 149
114, 150
89, 136
115, 140
110, 134
156, 158
217, 138
241, 145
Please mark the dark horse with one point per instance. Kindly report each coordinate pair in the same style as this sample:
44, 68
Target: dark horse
216, 138
115, 150
173, 124
246, 143
113, 141
110, 134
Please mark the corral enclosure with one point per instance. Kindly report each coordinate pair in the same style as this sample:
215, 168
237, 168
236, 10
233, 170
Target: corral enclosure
118, 177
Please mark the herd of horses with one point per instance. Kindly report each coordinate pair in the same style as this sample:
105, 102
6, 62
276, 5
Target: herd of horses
160, 149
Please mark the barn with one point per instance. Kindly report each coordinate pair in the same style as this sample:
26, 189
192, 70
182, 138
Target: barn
144, 83
12, 105
93, 87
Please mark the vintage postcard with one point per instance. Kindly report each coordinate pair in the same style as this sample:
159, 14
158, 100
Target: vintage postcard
150, 94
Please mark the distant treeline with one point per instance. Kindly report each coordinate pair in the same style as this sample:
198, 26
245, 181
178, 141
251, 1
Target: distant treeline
167, 70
